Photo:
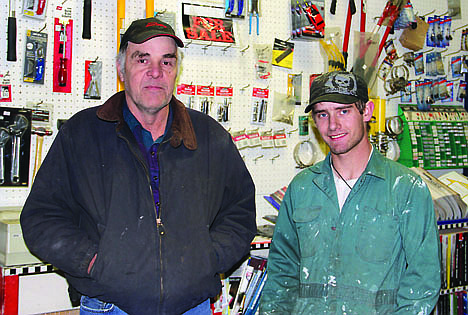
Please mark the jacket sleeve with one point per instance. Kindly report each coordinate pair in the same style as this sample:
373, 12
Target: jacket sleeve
49, 221
234, 226
281, 288
420, 284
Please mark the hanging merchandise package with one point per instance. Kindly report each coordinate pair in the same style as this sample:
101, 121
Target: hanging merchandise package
449, 99
15, 141
454, 9
461, 91
223, 102
35, 55
35, 8
93, 75
366, 47
186, 94
419, 63
259, 105
263, 55
5, 87
295, 87
283, 52
283, 108
414, 39
456, 65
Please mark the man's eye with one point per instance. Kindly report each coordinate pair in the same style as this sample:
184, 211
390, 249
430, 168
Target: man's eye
142, 60
321, 115
168, 63
344, 111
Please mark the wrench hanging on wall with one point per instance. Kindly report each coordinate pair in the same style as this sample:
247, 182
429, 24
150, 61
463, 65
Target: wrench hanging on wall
17, 130
4, 138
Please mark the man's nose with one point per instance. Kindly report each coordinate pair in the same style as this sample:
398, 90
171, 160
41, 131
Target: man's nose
155, 70
334, 122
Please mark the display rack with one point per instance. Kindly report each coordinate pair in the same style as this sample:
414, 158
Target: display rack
435, 139
203, 63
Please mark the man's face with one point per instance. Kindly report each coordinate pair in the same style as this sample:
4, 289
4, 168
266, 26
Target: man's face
150, 73
341, 126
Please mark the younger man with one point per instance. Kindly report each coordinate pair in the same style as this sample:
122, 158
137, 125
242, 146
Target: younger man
356, 233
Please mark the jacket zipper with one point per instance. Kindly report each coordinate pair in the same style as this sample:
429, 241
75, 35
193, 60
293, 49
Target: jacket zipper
159, 225
161, 232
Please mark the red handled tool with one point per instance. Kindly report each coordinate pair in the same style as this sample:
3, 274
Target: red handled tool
363, 16
40, 7
391, 12
349, 17
63, 71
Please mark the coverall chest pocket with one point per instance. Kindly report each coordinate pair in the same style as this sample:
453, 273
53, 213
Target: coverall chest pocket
377, 235
308, 223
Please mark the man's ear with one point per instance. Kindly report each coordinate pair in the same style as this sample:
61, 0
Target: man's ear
119, 71
368, 111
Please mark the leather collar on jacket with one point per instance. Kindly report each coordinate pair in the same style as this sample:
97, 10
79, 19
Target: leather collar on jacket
182, 128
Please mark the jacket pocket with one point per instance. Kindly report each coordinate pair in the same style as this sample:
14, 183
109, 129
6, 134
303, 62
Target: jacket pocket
377, 237
308, 224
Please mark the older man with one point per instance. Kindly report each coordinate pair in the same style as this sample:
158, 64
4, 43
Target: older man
141, 201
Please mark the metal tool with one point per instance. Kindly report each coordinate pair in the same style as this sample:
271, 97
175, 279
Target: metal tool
4, 137
40, 132
253, 12
39, 66
17, 130
93, 89
11, 50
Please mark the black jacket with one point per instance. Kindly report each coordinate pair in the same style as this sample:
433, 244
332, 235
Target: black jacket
92, 195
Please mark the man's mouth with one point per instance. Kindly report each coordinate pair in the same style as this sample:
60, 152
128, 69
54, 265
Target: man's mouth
334, 137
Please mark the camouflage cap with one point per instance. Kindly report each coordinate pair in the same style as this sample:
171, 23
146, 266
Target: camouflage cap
339, 87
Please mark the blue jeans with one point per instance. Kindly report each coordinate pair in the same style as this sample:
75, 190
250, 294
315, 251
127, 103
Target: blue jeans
93, 306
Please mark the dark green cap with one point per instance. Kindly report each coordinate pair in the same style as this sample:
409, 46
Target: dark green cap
339, 87
142, 30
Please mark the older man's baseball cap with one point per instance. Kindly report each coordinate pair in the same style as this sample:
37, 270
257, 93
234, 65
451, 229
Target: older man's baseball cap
142, 30
339, 87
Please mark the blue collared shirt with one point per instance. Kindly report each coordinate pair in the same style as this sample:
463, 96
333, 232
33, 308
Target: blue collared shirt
149, 148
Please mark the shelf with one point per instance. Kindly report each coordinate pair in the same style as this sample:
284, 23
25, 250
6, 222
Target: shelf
452, 224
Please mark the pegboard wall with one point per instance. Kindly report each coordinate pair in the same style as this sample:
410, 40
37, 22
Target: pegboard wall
203, 63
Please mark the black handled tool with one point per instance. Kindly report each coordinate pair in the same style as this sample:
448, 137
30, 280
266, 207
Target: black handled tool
11, 50
86, 19
333, 7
